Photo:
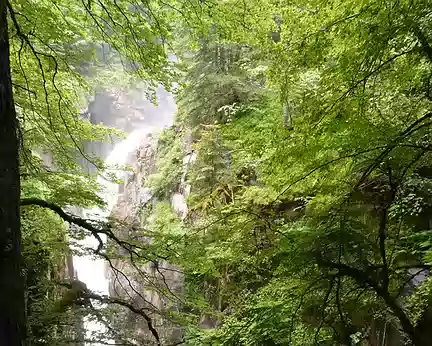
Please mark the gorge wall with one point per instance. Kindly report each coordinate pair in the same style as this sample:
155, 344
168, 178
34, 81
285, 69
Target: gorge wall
154, 286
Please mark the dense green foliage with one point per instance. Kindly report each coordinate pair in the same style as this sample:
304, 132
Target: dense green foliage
61, 52
306, 235
307, 128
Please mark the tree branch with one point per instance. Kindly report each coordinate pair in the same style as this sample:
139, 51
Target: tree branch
72, 219
382, 246
117, 301
415, 126
424, 43
325, 303
361, 81
87, 294
362, 278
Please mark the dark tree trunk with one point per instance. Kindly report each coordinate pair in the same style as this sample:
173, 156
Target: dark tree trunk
12, 306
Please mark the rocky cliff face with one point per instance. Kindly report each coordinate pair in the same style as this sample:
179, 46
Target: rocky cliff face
155, 286
145, 285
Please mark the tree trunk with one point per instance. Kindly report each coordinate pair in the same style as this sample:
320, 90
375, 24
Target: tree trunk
287, 116
12, 306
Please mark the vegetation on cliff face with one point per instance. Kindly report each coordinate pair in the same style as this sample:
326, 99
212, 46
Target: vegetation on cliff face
311, 193
310, 200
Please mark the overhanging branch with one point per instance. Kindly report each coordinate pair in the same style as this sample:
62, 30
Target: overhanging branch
95, 229
86, 294
72, 219
116, 301
363, 279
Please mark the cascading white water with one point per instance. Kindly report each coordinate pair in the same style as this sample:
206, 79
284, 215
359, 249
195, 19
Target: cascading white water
91, 270
152, 119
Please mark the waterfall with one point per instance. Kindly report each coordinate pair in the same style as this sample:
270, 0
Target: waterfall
140, 117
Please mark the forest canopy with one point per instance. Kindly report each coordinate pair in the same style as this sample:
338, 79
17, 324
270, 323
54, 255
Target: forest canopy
302, 137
